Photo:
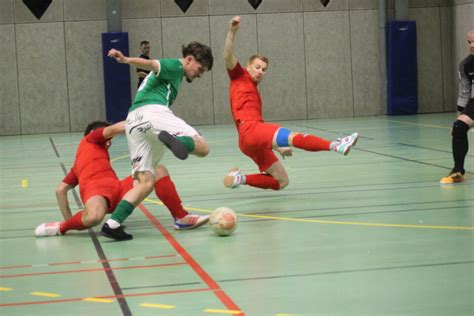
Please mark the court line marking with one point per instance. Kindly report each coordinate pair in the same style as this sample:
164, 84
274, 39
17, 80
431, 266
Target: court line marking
418, 124
203, 275
45, 294
97, 300
24, 183
222, 311
5, 289
332, 222
157, 306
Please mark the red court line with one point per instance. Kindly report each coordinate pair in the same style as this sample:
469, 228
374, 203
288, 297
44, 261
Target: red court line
4, 276
82, 262
221, 295
103, 296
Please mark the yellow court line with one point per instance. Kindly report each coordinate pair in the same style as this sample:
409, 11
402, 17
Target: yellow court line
222, 311
305, 220
5, 289
97, 300
45, 294
157, 306
24, 183
118, 158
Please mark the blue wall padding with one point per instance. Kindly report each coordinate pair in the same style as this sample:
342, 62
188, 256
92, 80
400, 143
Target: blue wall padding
116, 77
402, 89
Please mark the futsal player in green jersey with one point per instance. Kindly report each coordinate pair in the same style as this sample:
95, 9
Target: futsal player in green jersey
151, 126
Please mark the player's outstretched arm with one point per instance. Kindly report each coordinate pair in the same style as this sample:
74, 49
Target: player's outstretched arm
230, 59
113, 130
141, 63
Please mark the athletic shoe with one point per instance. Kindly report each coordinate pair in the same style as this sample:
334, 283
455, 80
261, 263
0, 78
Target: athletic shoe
48, 229
345, 144
176, 147
117, 234
233, 178
454, 177
190, 221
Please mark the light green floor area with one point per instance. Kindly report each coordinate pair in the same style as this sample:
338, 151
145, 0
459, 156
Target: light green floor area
372, 233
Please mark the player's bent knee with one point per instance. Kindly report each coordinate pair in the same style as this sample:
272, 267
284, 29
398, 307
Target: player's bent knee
161, 172
460, 129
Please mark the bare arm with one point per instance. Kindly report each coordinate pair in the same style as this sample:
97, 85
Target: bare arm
114, 130
230, 59
61, 196
141, 63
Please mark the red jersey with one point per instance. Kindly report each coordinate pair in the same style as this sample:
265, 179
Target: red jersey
245, 100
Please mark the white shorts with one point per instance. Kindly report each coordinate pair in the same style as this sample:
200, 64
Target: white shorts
142, 128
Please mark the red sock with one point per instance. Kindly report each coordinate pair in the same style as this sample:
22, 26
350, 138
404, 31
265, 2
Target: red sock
310, 142
166, 192
73, 223
262, 181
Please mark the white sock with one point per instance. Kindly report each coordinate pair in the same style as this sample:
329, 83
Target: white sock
113, 223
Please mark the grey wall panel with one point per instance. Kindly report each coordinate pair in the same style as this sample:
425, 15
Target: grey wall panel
423, 3
365, 63
315, 5
198, 7
85, 72
6, 11
9, 106
85, 10
194, 102
328, 64
281, 6
245, 45
280, 38
449, 71
54, 13
42, 77
141, 9
363, 4
231, 7
430, 89
461, 2
143, 30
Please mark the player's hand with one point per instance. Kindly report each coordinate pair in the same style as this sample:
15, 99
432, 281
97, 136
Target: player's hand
117, 55
234, 23
285, 152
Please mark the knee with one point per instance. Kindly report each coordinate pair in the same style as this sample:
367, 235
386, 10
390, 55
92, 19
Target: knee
91, 219
460, 129
161, 172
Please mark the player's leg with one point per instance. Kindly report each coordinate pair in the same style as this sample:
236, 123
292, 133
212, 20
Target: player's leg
460, 144
165, 190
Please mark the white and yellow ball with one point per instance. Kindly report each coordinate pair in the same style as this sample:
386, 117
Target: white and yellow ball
223, 221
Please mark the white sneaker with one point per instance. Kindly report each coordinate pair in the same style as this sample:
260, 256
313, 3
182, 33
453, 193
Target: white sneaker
345, 144
233, 178
190, 221
48, 229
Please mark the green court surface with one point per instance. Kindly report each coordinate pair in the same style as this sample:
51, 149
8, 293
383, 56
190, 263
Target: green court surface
371, 233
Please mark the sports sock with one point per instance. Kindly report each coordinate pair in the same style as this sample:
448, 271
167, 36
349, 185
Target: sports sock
460, 144
188, 142
165, 190
73, 223
122, 212
310, 142
262, 181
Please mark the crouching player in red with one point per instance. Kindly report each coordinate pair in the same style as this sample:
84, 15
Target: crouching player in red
101, 190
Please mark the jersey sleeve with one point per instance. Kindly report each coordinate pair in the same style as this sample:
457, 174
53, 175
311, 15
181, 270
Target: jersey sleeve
96, 136
236, 73
170, 69
465, 85
71, 178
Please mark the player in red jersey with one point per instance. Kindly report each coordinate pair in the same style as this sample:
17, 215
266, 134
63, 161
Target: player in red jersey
101, 189
258, 139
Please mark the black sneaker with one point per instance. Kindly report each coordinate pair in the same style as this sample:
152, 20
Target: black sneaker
176, 147
117, 234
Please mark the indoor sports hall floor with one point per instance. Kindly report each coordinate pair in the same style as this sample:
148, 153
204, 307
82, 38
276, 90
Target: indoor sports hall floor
372, 233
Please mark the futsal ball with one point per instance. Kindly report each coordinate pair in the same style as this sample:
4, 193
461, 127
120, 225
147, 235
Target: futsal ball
223, 221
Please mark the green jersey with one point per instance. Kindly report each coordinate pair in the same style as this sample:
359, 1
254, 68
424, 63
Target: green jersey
161, 88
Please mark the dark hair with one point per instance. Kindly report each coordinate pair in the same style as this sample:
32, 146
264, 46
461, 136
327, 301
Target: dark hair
201, 52
94, 125
144, 43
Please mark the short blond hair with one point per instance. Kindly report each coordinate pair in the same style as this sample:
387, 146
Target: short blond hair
258, 56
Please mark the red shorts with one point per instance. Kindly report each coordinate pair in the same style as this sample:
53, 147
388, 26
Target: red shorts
112, 189
255, 141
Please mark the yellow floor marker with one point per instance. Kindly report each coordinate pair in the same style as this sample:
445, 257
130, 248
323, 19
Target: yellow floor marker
157, 306
5, 289
44, 294
222, 311
24, 183
97, 300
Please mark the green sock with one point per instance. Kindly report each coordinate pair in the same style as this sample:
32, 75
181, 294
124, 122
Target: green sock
122, 211
188, 142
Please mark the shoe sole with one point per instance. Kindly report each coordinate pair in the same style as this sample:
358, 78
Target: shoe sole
349, 147
195, 226
450, 181
176, 147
